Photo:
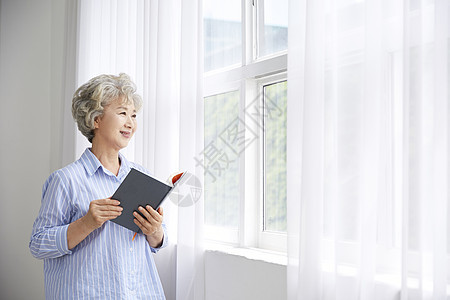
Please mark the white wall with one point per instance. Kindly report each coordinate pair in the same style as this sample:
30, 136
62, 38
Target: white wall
233, 277
31, 97
31, 53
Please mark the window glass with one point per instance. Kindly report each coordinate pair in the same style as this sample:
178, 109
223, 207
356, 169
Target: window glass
273, 24
222, 33
220, 162
275, 104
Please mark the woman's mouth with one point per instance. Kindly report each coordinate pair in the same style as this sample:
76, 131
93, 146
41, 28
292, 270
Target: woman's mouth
126, 134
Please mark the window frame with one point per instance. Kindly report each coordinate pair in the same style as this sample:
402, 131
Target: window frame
267, 239
247, 79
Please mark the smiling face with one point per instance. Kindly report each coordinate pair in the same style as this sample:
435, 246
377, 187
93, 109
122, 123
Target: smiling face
116, 126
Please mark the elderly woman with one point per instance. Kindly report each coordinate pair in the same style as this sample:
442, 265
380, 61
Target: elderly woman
84, 255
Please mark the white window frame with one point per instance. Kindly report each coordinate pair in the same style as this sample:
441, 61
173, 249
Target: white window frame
276, 241
247, 79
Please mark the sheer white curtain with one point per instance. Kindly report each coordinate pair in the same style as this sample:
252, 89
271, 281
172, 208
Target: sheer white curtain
159, 44
368, 149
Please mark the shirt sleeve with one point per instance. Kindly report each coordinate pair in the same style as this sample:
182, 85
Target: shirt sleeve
49, 234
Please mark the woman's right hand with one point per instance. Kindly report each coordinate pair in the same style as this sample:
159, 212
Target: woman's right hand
99, 212
102, 210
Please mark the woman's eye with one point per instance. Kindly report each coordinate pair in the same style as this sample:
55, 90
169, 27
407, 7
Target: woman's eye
123, 113
134, 116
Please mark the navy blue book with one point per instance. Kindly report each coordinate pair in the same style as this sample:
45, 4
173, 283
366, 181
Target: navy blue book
138, 189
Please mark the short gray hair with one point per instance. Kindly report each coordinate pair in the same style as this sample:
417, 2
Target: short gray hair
90, 99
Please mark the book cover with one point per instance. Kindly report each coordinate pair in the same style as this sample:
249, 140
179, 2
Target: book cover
138, 189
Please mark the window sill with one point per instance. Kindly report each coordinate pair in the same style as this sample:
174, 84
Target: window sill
257, 254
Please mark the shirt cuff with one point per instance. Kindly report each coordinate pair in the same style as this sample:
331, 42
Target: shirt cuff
61, 239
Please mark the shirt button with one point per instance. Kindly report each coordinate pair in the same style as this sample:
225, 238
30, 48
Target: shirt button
131, 249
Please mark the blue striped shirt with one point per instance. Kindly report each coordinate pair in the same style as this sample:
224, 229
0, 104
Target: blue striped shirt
107, 264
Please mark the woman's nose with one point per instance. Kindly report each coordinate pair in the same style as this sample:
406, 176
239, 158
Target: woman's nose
129, 122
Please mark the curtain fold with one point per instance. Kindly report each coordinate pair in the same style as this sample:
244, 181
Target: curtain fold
159, 44
190, 259
368, 149
69, 130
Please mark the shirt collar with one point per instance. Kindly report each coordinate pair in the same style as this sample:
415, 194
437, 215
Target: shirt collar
92, 164
124, 167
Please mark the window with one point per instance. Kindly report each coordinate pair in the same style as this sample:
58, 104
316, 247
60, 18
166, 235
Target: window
274, 163
223, 33
272, 27
221, 165
245, 90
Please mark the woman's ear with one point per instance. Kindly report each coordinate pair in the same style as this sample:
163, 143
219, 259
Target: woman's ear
96, 122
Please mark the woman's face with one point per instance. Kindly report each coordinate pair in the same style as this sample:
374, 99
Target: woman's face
116, 126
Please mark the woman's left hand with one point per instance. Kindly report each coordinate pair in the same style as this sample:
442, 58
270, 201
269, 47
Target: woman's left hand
151, 225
